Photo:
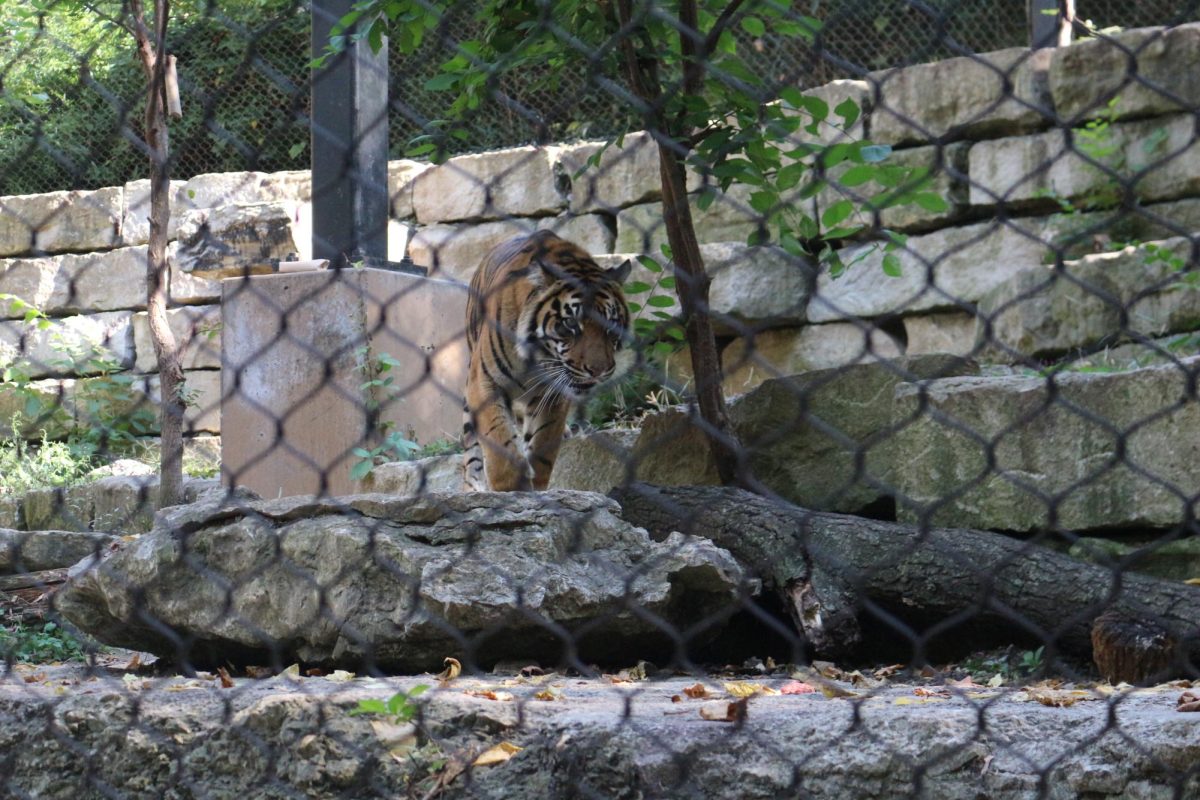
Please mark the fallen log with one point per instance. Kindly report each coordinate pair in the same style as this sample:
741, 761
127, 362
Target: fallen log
834, 572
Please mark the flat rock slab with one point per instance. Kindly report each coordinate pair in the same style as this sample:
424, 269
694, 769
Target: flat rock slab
403, 583
1081, 452
34, 551
99, 736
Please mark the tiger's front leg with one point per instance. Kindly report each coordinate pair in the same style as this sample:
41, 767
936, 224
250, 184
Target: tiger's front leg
543, 437
503, 465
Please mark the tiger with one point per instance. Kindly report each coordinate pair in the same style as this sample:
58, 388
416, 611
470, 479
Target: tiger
546, 326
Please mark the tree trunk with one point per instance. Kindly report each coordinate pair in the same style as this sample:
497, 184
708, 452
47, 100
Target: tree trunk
692, 282
835, 571
158, 270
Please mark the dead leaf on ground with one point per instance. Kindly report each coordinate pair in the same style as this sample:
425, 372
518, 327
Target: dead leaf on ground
966, 683
488, 694
696, 691
453, 670
226, 681
35, 677
996, 682
258, 672
725, 711
829, 670
314, 672
913, 701
1055, 698
340, 676
548, 694
134, 663
796, 687
931, 691
928, 672
1193, 581
1188, 701
886, 672
496, 754
987, 762
832, 690
744, 689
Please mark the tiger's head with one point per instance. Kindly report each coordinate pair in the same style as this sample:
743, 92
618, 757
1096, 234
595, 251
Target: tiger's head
574, 332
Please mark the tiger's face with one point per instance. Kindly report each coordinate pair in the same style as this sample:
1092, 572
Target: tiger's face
576, 333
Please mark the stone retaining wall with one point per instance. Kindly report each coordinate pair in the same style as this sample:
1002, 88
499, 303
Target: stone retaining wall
974, 275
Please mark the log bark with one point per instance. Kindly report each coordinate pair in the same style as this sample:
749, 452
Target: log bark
834, 571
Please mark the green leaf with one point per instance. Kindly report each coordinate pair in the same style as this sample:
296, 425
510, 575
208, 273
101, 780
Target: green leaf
753, 26
441, 82
849, 111
857, 175
637, 287
841, 233
362, 469
930, 201
650, 263
661, 301
369, 707
836, 213
667, 282
891, 265
817, 108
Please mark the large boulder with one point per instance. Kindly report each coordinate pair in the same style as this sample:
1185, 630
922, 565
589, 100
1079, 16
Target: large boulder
403, 583
34, 551
822, 439
1139, 291
1080, 451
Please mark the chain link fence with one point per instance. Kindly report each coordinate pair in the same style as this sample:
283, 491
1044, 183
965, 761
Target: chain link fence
244, 81
833, 432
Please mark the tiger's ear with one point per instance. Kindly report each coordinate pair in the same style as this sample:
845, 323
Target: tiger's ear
619, 274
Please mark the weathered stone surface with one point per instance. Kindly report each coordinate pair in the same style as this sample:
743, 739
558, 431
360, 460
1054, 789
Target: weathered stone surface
748, 361
135, 212
1133, 355
456, 251
219, 189
625, 175
435, 474
402, 574
596, 740
596, 460
951, 332
401, 176
60, 221
121, 504
1067, 448
801, 435
946, 171
34, 551
730, 218
197, 331
804, 433
1177, 560
502, 183
756, 285
1139, 68
1038, 169
966, 262
958, 97
102, 281
1040, 312
239, 239
294, 186
67, 345
752, 287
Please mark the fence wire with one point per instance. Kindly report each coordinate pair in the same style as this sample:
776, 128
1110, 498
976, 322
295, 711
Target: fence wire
874, 474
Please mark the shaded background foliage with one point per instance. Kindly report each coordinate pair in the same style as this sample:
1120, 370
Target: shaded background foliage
70, 87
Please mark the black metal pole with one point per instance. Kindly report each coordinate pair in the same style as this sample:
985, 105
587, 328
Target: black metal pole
349, 145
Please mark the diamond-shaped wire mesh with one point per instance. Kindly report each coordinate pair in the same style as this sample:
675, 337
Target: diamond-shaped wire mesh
874, 474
